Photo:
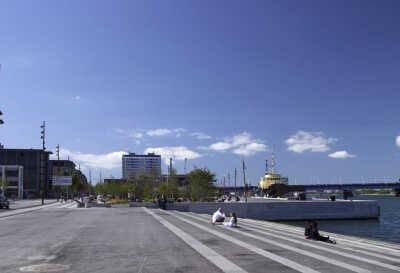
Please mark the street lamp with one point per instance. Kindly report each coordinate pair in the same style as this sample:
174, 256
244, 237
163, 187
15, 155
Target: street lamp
43, 175
1, 122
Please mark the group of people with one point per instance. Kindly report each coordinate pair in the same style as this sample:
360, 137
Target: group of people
311, 230
161, 201
219, 217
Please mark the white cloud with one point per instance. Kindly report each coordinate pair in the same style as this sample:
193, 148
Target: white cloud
163, 131
242, 144
179, 131
107, 161
159, 132
341, 155
309, 141
135, 134
220, 146
137, 141
398, 141
177, 153
250, 149
77, 97
199, 135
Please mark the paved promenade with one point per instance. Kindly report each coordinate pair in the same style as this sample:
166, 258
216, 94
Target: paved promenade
20, 204
67, 239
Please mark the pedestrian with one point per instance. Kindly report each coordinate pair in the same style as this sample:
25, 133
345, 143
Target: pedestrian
86, 201
232, 222
218, 217
311, 232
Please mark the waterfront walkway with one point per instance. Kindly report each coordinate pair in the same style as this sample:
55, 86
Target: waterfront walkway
151, 240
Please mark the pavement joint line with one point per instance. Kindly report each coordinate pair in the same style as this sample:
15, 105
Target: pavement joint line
6, 215
142, 265
284, 261
394, 252
322, 246
212, 256
297, 250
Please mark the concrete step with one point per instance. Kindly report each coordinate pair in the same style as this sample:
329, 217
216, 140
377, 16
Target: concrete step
274, 249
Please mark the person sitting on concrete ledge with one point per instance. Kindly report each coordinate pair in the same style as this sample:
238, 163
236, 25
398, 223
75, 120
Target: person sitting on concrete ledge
218, 216
311, 232
232, 222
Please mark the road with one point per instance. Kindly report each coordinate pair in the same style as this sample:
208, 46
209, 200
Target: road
68, 239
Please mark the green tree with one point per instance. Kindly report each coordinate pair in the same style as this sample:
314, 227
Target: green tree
77, 183
4, 185
201, 184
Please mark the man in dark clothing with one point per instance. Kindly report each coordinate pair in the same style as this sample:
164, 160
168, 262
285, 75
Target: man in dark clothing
311, 232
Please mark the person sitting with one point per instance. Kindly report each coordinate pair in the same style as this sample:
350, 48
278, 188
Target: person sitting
311, 232
232, 222
218, 216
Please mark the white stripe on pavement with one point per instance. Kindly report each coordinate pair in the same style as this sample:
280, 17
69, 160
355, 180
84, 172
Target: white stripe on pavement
295, 249
286, 262
8, 214
218, 260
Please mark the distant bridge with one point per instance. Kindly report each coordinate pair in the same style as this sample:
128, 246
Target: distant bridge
357, 186
326, 187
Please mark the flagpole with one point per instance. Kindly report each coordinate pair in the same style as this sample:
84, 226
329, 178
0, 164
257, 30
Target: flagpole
244, 181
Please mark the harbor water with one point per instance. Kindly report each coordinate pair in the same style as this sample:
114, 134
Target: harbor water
386, 228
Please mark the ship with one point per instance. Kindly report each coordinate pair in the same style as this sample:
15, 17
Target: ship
270, 178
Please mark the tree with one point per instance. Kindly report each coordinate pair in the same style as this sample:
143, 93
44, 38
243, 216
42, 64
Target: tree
77, 184
4, 186
201, 184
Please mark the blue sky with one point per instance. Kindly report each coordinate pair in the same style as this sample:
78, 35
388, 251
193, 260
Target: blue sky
213, 81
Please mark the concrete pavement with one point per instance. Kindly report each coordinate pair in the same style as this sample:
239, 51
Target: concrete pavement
28, 203
149, 240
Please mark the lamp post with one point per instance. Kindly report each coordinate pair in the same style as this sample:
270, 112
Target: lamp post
1, 122
43, 175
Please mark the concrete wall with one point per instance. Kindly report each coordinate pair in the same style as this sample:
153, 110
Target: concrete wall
288, 210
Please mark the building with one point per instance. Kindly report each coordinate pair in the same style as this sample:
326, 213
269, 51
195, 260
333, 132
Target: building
134, 165
63, 170
13, 176
61, 167
35, 174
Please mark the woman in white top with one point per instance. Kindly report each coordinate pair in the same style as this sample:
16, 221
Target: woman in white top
232, 222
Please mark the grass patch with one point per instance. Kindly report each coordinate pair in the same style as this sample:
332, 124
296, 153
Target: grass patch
116, 202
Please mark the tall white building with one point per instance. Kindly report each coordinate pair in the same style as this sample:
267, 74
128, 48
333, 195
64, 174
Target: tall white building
134, 165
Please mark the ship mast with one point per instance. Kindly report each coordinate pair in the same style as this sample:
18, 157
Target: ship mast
272, 165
